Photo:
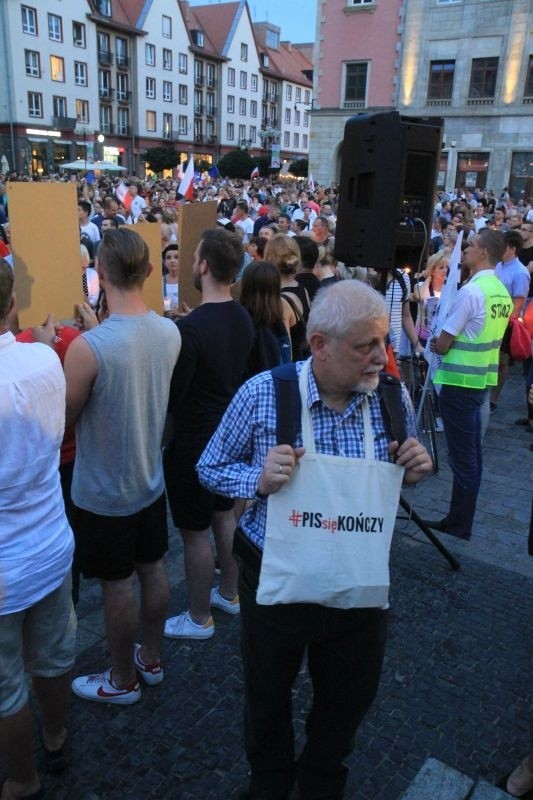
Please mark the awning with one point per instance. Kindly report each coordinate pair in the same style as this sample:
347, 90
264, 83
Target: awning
36, 139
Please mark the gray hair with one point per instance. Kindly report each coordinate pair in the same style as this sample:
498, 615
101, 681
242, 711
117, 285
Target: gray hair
337, 307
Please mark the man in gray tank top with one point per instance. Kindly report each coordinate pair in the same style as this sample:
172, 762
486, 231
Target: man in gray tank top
118, 379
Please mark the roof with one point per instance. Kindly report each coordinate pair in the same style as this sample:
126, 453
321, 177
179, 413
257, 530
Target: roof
124, 14
216, 22
288, 63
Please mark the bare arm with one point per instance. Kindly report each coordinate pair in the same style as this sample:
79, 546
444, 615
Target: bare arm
442, 343
81, 369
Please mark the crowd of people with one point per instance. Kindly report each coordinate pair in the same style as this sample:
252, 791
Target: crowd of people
109, 417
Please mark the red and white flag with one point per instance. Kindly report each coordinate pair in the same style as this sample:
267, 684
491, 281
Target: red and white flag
186, 187
180, 172
123, 195
311, 183
255, 173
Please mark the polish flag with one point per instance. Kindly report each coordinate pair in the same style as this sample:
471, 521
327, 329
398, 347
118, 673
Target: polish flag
311, 183
123, 195
180, 173
186, 187
255, 173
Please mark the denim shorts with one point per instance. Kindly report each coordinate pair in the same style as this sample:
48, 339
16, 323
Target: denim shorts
40, 641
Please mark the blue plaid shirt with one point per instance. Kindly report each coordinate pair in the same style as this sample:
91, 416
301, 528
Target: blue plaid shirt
233, 460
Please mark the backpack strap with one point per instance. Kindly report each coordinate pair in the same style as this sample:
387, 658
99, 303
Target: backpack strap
288, 403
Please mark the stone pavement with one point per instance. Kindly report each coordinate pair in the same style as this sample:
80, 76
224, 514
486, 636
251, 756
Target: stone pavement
457, 681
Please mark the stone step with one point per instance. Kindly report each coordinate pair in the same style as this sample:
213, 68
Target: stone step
438, 781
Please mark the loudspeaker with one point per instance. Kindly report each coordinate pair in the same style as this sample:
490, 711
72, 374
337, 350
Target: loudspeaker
387, 186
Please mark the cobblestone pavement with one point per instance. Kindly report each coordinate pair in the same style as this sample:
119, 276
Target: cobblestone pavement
457, 681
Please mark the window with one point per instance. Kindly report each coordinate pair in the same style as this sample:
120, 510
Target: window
104, 46
288, 92
305, 141
55, 28
362, 2
307, 96
29, 20
33, 63
150, 121
199, 38
198, 130
244, 52
104, 7
231, 104
57, 69
264, 113
35, 104
286, 139
296, 140
253, 108
106, 119
355, 83
123, 121
78, 34
182, 94
122, 86
287, 116
483, 77
242, 106
80, 73
528, 91
253, 134
242, 134
167, 59
272, 39
59, 105
199, 72
104, 83
446, 2
166, 27
210, 76
150, 88
265, 61
296, 117
306, 119
298, 95
149, 55
167, 126
167, 91
440, 85
182, 124
121, 51
253, 83
198, 107
243, 80
210, 104
231, 76
82, 111
182, 63
230, 131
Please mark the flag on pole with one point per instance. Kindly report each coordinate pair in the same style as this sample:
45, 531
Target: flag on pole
186, 187
180, 173
213, 172
123, 195
246, 197
446, 299
255, 173
310, 182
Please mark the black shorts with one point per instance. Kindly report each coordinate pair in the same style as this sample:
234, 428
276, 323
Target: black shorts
108, 548
505, 346
191, 505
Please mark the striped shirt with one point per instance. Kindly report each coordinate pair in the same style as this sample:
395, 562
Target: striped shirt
233, 460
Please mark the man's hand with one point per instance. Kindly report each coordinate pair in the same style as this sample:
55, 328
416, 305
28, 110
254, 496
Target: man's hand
46, 333
414, 458
85, 317
279, 467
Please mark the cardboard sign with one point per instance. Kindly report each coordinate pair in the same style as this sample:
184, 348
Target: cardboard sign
45, 242
193, 219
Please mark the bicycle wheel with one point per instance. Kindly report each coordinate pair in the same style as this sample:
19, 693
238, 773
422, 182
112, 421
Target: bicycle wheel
427, 432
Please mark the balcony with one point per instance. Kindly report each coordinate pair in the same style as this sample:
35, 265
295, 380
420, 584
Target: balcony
122, 62
124, 97
527, 99
198, 110
199, 80
105, 57
106, 127
212, 140
211, 83
105, 93
64, 123
349, 104
211, 111
273, 97
168, 135
123, 130
199, 139
480, 101
436, 102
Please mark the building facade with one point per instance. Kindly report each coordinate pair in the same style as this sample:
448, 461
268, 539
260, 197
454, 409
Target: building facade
104, 79
469, 62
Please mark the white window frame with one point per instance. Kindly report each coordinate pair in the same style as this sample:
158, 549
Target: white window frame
167, 91
29, 20
231, 104
182, 124
149, 114
82, 111
242, 108
32, 60
182, 94
253, 83
230, 131
80, 73
305, 141
81, 41
122, 86
182, 63
59, 106
296, 140
149, 54
243, 80
253, 134
288, 92
167, 126
253, 108
231, 76
244, 51
287, 139
287, 116
55, 31
150, 88
166, 27
35, 105
167, 58
123, 121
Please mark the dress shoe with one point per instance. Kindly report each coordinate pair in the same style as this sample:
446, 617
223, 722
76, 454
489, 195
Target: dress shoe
443, 526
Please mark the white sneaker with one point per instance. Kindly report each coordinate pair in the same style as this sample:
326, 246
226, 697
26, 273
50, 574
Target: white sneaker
101, 689
152, 674
182, 627
229, 606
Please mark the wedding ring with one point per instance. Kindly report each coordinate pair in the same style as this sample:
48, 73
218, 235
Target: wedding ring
281, 469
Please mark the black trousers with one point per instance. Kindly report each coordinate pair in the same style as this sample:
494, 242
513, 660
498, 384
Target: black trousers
345, 651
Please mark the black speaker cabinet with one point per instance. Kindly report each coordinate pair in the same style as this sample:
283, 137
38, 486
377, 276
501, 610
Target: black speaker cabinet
387, 186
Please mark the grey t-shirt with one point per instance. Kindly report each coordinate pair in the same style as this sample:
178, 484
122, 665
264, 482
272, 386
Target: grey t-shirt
118, 469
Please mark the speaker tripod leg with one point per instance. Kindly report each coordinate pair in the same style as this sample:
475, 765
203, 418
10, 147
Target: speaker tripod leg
452, 561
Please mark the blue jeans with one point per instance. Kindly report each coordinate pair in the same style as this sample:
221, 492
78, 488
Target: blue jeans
460, 410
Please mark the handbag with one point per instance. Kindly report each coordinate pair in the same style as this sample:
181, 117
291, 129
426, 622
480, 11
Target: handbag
329, 530
520, 341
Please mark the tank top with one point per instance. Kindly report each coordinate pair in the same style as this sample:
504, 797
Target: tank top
297, 332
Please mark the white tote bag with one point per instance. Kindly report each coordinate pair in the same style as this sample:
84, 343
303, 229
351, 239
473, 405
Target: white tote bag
329, 530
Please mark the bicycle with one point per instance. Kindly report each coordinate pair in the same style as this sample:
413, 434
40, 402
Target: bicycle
413, 372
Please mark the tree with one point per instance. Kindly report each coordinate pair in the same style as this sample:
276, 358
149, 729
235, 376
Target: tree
299, 168
160, 158
236, 164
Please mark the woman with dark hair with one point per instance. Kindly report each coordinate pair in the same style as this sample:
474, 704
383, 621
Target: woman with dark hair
284, 253
260, 296
171, 265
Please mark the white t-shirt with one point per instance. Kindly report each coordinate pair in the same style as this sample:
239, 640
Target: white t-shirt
247, 226
92, 231
36, 542
467, 312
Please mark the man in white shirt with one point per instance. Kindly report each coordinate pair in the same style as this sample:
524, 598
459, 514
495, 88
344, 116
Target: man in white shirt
138, 203
243, 221
37, 620
86, 226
